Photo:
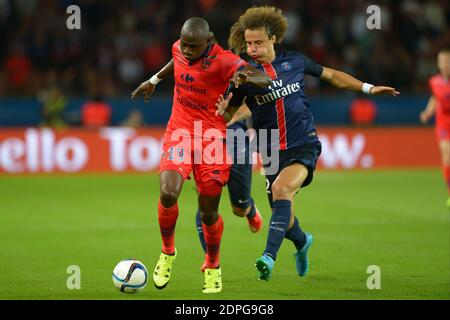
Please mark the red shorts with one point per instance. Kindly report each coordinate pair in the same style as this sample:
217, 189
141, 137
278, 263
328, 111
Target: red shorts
442, 129
442, 132
208, 161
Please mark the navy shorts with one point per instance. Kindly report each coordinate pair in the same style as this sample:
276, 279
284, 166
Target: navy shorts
307, 155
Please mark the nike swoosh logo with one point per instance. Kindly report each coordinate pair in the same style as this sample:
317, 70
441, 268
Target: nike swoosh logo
242, 201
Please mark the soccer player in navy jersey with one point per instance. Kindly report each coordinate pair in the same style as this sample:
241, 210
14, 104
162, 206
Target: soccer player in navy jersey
283, 108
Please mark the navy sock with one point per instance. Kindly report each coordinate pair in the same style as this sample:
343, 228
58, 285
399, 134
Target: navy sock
279, 223
198, 223
296, 235
252, 211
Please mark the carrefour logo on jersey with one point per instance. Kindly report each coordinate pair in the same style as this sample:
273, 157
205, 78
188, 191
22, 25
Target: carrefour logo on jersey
278, 91
187, 77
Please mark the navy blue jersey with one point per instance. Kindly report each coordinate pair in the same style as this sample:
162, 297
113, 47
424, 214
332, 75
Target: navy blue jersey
238, 125
283, 105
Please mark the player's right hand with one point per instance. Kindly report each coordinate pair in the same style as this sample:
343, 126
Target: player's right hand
222, 104
146, 88
379, 90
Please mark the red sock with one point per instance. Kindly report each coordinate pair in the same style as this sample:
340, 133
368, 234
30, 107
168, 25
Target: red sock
213, 235
167, 218
446, 171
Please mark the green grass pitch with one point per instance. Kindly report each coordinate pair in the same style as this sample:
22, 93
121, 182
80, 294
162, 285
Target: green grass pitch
396, 220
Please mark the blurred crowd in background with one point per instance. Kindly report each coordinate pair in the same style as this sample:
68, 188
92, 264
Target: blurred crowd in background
122, 43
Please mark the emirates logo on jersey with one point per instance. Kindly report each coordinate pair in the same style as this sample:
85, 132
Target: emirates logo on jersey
187, 77
278, 90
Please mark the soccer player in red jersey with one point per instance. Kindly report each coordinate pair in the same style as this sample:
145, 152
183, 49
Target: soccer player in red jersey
195, 140
439, 104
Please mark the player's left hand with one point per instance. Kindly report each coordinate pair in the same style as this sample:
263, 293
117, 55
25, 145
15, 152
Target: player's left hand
378, 90
240, 77
425, 116
222, 104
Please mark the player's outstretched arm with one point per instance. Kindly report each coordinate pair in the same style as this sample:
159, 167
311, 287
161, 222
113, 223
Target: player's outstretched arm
345, 81
428, 112
251, 75
241, 114
148, 87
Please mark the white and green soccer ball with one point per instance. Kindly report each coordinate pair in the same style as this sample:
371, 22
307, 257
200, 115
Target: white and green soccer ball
130, 276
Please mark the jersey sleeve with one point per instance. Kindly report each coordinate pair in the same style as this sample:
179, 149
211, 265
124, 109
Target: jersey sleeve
311, 67
238, 97
246, 92
176, 48
230, 64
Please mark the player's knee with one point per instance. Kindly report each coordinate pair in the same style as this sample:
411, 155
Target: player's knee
209, 217
281, 191
168, 198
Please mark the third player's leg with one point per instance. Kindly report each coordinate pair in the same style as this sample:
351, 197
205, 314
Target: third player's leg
239, 187
239, 190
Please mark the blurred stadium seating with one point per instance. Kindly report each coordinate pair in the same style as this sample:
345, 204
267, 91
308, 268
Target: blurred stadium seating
122, 43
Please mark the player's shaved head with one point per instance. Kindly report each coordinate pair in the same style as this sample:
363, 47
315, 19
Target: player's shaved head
443, 62
194, 38
196, 29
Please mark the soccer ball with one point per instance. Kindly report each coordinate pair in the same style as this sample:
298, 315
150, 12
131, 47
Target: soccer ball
130, 276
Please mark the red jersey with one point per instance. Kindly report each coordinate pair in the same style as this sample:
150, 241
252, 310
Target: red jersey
198, 85
440, 87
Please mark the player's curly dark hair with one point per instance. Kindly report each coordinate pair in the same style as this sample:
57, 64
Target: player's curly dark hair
254, 18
